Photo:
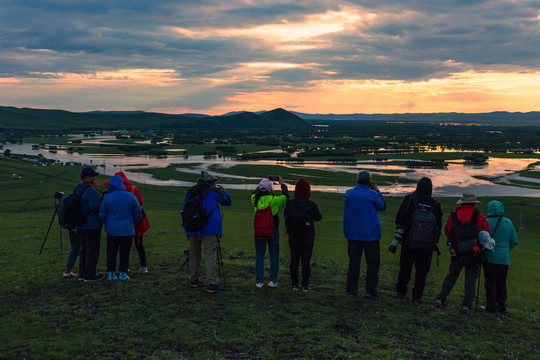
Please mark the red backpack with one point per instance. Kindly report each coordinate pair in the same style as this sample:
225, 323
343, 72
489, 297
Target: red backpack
264, 223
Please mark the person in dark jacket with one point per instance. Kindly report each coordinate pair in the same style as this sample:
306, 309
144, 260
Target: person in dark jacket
119, 211
469, 261
300, 213
207, 236
498, 259
89, 233
411, 254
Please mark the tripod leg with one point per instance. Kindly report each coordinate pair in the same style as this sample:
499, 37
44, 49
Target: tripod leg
220, 264
49, 229
184, 264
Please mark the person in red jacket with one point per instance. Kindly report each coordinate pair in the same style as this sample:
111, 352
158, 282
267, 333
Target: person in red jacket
464, 248
142, 226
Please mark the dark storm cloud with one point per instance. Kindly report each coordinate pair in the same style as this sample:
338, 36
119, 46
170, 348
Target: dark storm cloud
407, 40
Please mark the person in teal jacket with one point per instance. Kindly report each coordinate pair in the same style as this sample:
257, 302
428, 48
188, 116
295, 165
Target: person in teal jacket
498, 259
262, 198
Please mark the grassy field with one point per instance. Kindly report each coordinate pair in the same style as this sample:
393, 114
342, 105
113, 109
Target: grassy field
156, 316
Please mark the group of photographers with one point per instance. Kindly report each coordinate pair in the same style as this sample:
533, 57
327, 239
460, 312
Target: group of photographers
418, 228
121, 213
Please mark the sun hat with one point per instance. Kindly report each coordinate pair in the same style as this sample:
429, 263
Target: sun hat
265, 185
467, 198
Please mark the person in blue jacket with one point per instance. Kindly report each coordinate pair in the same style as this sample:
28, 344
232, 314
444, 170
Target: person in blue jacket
207, 236
498, 259
119, 211
89, 233
362, 229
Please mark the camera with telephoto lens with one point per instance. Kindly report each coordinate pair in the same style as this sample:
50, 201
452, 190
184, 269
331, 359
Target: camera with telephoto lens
59, 195
398, 237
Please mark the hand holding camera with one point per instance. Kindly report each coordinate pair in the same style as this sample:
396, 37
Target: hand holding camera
373, 186
221, 188
276, 178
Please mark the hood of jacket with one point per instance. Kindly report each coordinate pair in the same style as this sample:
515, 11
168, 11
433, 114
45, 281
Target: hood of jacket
302, 190
424, 186
264, 201
125, 180
495, 208
116, 183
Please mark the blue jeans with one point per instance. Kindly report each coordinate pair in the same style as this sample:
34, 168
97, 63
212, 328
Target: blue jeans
260, 251
75, 248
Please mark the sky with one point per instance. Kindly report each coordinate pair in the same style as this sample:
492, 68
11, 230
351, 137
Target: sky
216, 56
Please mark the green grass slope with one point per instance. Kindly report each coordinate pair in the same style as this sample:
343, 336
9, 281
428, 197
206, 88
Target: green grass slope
156, 316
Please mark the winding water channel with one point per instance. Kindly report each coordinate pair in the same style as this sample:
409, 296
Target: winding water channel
452, 181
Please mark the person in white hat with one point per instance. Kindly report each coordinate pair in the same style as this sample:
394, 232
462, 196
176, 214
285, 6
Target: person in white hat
264, 198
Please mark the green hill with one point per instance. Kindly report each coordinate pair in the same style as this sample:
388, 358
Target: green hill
12, 118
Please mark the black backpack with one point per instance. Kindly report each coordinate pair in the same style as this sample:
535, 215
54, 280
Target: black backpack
70, 210
423, 230
194, 217
463, 236
298, 220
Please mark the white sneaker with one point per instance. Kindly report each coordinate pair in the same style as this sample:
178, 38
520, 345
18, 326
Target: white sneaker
272, 284
143, 270
259, 285
69, 274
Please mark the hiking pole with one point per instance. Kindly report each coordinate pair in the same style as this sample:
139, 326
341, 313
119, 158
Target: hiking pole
220, 263
50, 224
478, 286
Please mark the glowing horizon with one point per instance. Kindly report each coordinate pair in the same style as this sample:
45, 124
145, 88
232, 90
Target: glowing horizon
217, 58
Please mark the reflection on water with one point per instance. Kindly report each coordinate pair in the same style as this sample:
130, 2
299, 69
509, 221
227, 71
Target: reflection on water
452, 181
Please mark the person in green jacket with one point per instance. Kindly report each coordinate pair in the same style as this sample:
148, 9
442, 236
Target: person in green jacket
262, 198
498, 259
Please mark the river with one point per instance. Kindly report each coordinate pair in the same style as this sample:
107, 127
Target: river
453, 181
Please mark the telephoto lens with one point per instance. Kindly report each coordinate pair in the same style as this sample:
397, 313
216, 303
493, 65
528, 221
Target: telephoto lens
398, 236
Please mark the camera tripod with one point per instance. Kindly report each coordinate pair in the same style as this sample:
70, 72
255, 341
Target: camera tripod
219, 259
186, 252
49, 229
221, 270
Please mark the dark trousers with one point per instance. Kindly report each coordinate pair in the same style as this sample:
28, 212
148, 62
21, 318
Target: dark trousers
140, 249
89, 255
373, 261
301, 251
472, 271
496, 294
113, 244
421, 259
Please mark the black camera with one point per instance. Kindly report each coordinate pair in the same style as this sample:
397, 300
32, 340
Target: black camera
273, 178
59, 195
186, 252
398, 237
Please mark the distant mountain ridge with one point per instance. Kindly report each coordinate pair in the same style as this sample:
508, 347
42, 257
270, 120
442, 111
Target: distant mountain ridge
496, 117
13, 118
